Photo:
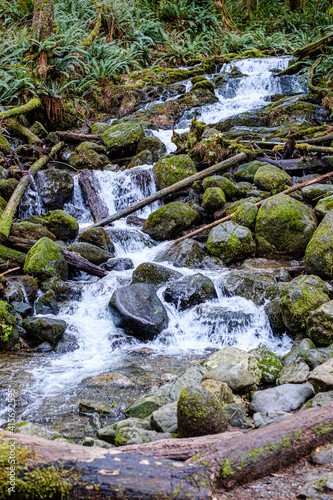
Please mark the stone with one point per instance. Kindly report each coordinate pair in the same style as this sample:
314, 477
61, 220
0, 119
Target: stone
324, 206
234, 355
250, 286
154, 274
165, 418
269, 364
154, 145
213, 199
287, 397
320, 399
44, 330
110, 432
220, 390
4, 145
230, 242
320, 325
247, 171
274, 315
238, 378
143, 158
45, 260
99, 237
7, 188
172, 169
94, 254
145, 406
118, 264
63, 291
316, 357
62, 225
88, 406
90, 441
246, 215
299, 298
109, 380
22, 308
297, 351
319, 252
88, 155
168, 221
199, 413
265, 267
122, 140
295, 372
284, 227
271, 178
55, 187
322, 376
313, 192
9, 336
324, 456
186, 253
98, 128
29, 230
263, 419
33, 429
47, 303
137, 309
319, 487
190, 291
229, 188
236, 415
67, 343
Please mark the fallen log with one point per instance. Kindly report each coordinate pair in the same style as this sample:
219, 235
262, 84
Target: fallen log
313, 48
292, 165
7, 216
22, 131
224, 165
75, 260
90, 189
258, 204
75, 137
11, 258
33, 104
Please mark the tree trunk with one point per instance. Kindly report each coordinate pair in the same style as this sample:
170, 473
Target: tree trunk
43, 22
75, 260
90, 189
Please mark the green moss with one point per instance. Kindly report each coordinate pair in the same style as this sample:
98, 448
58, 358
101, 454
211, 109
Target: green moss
4, 145
226, 468
172, 169
320, 429
44, 260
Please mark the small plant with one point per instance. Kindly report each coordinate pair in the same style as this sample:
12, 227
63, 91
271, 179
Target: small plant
6, 331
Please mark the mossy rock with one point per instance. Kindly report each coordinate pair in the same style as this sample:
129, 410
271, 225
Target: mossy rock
30, 231
284, 227
47, 304
213, 199
142, 158
45, 260
230, 242
251, 286
274, 314
319, 252
62, 225
99, 237
89, 155
269, 364
231, 355
230, 190
190, 291
320, 325
122, 140
186, 253
154, 274
7, 188
153, 144
44, 330
298, 350
56, 187
247, 171
246, 215
324, 206
168, 221
98, 128
9, 337
271, 178
204, 84
299, 298
199, 413
4, 145
313, 192
295, 372
3, 203
172, 169
92, 253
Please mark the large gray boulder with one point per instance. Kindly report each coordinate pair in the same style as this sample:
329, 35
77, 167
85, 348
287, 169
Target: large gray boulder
154, 274
190, 291
55, 187
234, 355
320, 324
319, 252
165, 419
322, 376
186, 253
294, 373
230, 242
235, 376
251, 286
137, 309
285, 398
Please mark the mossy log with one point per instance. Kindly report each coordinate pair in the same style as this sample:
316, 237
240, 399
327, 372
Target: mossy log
10, 258
33, 104
7, 216
224, 165
75, 137
90, 189
21, 131
313, 48
95, 32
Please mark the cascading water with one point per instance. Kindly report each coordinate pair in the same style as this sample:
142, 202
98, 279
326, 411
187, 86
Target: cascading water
51, 384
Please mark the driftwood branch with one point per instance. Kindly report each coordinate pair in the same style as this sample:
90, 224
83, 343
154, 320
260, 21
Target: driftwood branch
7, 216
90, 189
75, 137
224, 165
21, 110
75, 260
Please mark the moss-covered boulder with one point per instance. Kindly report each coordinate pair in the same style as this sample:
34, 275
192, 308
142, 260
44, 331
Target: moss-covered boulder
47, 303
271, 178
295, 372
313, 192
230, 242
7, 188
324, 206
122, 140
284, 227
251, 286
199, 413
98, 128
45, 260
44, 330
154, 145
186, 253
246, 215
4, 145
269, 364
62, 225
94, 254
247, 171
204, 83
56, 187
142, 158
171, 169
168, 221
9, 337
319, 252
229, 188
320, 325
154, 274
89, 155
213, 199
29, 230
99, 237
190, 291
299, 298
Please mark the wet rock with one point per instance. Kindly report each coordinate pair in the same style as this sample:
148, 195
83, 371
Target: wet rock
22, 308
88, 155
230, 242
154, 145
122, 140
94, 421
110, 432
55, 187
187, 253
233, 355
213, 199
44, 260
323, 457
238, 378
288, 397
44, 330
109, 380
299, 298
316, 357
200, 82
87, 406
324, 206
68, 343
47, 303
220, 390
94, 254
263, 419
252, 287
236, 415
298, 350
265, 267
247, 171
246, 215
28, 230
209, 262
229, 189
9, 336
99, 237
190, 291
118, 264
284, 227
319, 252
154, 274
143, 158
44, 347
271, 178
168, 221
36, 430
172, 169
7, 188
313, 192
137, 309
320, 399
199, 413
322, 376
269, 364
165, 418
62, 225
145, 406
98, 128
295, 372
26, 288
320, 325
63, 291
274, 314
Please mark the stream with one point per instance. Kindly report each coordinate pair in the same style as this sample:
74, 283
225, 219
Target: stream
49, 385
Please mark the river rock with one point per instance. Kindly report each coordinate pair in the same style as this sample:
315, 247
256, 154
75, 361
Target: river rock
99, 237
299, 298
186, 253
324, 456
213, 199
165, 419
320, 399
313, 192
45, 260
172, 169
287, 397
62, 225
110, 432
324, 206
94, 254
132, 436
229, 188
295, 372
137, 309
122, 140
247, 171
47, 303
98, 128
284, 227
230, 242
67, 343
234, 355
269, 364
88, 406
143, 158
168, 221
238, 379
250, 286
316, 357
322, 376
108, 380
29, 230
236, 415
271, 178
319, 252
246, 215
220, 390
55, 187
265, 267
199, 413
118, 264
44, 330
297, 351
22, 308
91, 441
7, 188
190, 291
154, 145
33, 429
154, 274
9, 337
89, 155
63, 290
320, 325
